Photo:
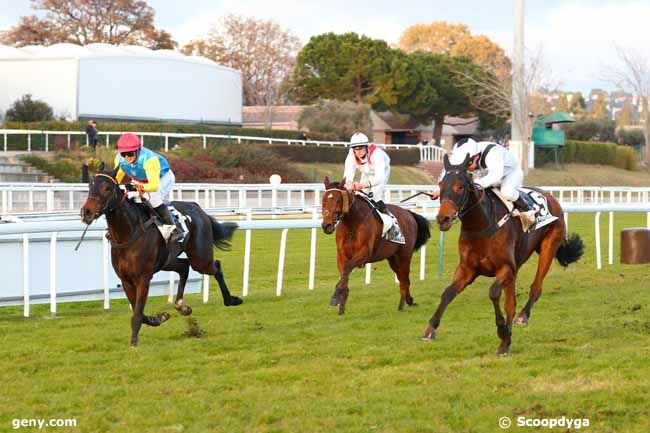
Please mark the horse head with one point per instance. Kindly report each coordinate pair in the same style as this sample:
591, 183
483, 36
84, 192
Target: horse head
336, 203
104, 195
455, 192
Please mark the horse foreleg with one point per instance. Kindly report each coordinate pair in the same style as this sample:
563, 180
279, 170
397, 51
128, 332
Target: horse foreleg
462, 278
402, 268
345, 269
182, 268
505, 281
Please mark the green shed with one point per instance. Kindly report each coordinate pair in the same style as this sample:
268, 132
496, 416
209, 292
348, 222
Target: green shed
548, 138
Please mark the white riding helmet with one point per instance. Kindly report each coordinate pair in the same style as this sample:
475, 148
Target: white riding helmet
359, 139
458, 154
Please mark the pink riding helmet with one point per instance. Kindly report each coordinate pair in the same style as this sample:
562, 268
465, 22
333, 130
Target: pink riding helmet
128, 142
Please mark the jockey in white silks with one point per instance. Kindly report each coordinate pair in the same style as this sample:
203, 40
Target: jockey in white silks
495, 166
374, 165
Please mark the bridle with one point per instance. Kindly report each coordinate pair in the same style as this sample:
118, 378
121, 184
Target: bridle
463, 209
111, 199
345, 207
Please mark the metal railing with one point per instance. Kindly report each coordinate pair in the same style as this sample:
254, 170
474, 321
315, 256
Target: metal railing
24, 229
427, 152
19, 198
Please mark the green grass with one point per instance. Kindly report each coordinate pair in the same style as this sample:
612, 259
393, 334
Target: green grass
399, 174
587, 175
290, 364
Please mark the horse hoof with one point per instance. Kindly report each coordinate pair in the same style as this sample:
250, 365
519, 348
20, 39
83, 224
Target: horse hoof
413, 304
400, 307
521, 321
164, 316
429, 334
233, 302
334, 301
186, 310
503, 351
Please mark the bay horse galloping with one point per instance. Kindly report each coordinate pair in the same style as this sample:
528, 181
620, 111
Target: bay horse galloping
138, 250
359, 240
491, 250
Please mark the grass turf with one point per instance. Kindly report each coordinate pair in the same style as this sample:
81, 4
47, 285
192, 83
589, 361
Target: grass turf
290, 364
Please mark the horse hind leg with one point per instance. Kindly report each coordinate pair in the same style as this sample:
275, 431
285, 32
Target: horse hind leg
402, 268
548, 248
228, 299
182, 268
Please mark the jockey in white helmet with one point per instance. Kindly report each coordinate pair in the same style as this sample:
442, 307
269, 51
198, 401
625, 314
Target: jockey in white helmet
494, 166
374, 165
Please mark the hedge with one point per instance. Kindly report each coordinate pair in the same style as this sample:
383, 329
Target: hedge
312, 153
596, 152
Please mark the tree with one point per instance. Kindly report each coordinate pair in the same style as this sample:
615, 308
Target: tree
118, 22
577, 105
493, 95
260, 49
439, 37
633, 75
562, 103
431, 92
348, 67
339, 118
625, 118
27, 109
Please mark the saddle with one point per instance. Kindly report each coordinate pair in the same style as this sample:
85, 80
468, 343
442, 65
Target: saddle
391, 230
543, 214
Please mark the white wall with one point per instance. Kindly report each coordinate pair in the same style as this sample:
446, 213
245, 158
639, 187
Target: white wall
51, 80
150, 88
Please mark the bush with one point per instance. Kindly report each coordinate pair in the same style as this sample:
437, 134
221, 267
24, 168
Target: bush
27, 109
591, 152
631, 137
591, 130
299, 153
337, 119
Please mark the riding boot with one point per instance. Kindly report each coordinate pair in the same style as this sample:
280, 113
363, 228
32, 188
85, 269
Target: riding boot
381, 207
527, 211
168, 220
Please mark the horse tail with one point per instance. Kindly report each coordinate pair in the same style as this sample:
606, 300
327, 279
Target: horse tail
423, 230
221, 233
570, 251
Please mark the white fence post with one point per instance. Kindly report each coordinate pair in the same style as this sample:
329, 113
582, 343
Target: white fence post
206, 288
25, 275
247, 255
368, 271
611, 238
312, 253
599, 264
53, 273
105, 254
283, 249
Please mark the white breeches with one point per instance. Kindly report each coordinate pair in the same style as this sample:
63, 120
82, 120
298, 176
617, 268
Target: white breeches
510, 183
166, 184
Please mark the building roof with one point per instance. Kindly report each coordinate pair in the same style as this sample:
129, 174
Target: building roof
462, 125
397, 121
99, 50
261, 114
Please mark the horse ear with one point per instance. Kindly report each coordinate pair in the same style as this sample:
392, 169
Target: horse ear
342, 182
102, 166
447, 163
326, 182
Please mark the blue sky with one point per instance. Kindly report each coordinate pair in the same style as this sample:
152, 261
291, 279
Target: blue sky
577, 37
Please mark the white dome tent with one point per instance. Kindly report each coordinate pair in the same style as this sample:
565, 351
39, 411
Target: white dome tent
103, 81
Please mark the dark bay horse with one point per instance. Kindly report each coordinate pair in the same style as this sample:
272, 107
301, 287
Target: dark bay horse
138, 250
492, 251
359, 241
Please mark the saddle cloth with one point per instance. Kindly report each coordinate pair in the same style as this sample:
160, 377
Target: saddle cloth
543, 214
179, 219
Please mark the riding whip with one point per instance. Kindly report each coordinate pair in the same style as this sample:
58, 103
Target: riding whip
415, 195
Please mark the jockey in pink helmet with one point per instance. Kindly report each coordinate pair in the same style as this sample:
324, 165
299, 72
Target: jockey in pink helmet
151, 174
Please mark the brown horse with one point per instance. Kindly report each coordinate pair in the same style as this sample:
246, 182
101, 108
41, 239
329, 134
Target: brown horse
493, 251
138, 250
359, 241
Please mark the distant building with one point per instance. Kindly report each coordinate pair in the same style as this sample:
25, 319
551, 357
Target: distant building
102, 81
387, 127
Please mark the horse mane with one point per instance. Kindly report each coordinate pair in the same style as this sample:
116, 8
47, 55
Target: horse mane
335, 185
